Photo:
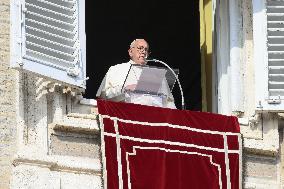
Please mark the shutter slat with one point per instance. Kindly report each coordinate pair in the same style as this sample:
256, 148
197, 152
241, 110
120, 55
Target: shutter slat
276, 24
275, 18
277, 75
276, 83
272, 32
276, 62
275, 9
274, 3
32, 54
275, 39
49, 13
54, 53
275, 47
50, 21
47, 42
53, 6
273, 29
50, 28
275, 78
62, 3
275, 14
50, 36
275, 93
273, 6
277, 90
276, 67
275, 55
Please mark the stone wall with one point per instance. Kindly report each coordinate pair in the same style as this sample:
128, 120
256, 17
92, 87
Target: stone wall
46, 138
8, 99
58, 146
261, 157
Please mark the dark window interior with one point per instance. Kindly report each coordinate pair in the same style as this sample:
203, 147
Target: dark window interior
171, 28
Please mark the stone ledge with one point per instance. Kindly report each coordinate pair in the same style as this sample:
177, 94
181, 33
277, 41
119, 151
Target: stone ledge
251, 149
60, 163
85, 106
89, 102
74, 122
83, 116
85, 129
260, 182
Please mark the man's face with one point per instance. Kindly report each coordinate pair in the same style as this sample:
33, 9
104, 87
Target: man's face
139, 52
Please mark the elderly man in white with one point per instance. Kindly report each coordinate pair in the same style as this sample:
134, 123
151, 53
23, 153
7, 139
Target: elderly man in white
115, 78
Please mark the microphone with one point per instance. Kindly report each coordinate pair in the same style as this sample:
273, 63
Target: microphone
146, 56
180, 88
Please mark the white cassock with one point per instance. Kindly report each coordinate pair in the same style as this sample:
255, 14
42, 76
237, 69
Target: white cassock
111, 86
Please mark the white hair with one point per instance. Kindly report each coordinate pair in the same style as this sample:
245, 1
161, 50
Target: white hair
132, 44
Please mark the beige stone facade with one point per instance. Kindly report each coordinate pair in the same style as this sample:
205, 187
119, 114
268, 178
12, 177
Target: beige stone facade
47, 139
8, 103
50, 139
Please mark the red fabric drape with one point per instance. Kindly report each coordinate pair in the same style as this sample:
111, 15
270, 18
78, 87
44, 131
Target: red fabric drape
189, 152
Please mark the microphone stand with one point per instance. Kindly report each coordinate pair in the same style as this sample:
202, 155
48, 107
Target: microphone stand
180, 88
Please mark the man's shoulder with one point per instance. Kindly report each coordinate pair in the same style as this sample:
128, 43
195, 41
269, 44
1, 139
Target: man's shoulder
120, 66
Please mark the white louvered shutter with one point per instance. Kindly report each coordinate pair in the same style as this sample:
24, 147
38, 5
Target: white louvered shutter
268, 39
52, 39
275, 48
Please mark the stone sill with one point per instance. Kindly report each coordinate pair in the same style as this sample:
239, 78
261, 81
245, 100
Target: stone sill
85, 106
80, 123
74, 128
82, 116
88, 102
60, 163
260, 147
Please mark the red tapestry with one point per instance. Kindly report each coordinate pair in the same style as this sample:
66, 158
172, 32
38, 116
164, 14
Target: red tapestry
146, 147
